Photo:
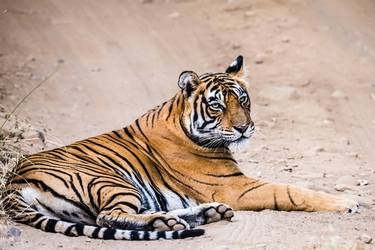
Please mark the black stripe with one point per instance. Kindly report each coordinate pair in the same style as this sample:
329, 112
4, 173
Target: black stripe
126, 130
117, 134
160, 234
139, 128
109, 234
79, 229
45, 206
226, 175
290, 196
39, 224
80, 182
134, 235
276, 206
95, 233
116, 195
251, 189
125, 203
146, 235
170, 108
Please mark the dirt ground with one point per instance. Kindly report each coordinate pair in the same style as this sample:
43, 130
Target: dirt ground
312, 82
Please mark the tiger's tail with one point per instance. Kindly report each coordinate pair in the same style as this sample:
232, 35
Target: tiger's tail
47, 224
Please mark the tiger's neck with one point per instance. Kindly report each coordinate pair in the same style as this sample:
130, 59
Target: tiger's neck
162, 129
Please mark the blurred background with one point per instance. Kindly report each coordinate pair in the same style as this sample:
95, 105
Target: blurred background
312, 82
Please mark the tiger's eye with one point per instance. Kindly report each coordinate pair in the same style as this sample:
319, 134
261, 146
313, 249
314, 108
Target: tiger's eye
216, 106
243, 99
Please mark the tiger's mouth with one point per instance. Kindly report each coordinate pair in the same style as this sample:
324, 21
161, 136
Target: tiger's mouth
240, 137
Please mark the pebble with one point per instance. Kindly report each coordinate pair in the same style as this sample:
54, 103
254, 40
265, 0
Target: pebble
339, 94
372, 95
174, 15
14, 232
259, 58
342, 187
288, 169
285, 40
236, 46
327, 121
353, 154
279, 93
362, 182
344, 140
319, 149
367, 239
249, 13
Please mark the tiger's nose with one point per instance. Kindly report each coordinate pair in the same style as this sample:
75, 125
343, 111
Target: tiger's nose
241, 128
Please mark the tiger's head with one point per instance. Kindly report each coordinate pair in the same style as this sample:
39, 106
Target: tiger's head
217, 106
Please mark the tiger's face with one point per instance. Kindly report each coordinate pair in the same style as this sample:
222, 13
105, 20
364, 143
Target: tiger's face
217, 111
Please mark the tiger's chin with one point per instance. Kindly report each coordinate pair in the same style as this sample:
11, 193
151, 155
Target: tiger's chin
239, 144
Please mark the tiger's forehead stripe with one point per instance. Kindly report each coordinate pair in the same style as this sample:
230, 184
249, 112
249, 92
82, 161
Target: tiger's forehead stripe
219, 85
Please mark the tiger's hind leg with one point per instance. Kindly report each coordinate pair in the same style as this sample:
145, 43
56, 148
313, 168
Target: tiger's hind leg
119, 206
204, 213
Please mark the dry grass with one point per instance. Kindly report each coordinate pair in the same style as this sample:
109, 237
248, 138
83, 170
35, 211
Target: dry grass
10, 154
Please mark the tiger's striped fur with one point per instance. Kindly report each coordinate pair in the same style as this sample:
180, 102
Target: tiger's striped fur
167, 172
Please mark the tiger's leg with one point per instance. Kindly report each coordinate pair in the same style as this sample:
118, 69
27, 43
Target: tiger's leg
204, 213
119, 206
251, 194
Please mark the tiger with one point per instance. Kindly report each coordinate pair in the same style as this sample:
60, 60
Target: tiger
162, 176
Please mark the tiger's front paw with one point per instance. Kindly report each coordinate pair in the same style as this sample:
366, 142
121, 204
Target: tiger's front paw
167, 222
217, 211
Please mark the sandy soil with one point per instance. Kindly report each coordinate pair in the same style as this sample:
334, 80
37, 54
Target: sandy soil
312, 66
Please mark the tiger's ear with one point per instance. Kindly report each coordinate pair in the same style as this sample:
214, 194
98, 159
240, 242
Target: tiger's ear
188, 81
238, 68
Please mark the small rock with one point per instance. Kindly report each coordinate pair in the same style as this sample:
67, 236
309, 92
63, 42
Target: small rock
342, 187
344, 140
279, 93
259, 58
372, 95
249, 13
305, 83
288, 169
14, 232
371, 84
319, 149
236, 46
362, 182
327, 121
295, 156
353, 154
60, 61
285, 40
174, 15
258, 174
339, 94
366, 238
